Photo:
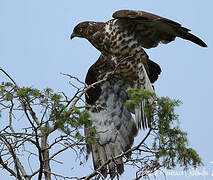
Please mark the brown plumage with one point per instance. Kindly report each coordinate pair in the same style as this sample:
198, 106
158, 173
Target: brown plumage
103, 66
153, 29
112, 120
125, 36
121, 42
148, 29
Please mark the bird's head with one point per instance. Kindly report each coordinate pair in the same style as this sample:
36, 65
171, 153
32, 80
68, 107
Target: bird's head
92, 31
83, 30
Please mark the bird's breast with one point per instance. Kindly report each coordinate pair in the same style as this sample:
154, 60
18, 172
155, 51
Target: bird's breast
119, 42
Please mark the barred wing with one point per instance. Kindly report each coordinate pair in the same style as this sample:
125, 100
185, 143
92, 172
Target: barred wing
151, 29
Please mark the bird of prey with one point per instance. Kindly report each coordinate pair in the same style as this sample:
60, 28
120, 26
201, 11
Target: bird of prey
121, 42
125, 36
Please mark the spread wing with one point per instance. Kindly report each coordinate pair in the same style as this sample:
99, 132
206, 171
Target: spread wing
152, 29
113, 121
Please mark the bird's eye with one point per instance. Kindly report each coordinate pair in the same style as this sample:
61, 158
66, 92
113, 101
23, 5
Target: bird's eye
80, 30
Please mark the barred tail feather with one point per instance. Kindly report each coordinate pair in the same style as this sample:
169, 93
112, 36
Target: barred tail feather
143, 120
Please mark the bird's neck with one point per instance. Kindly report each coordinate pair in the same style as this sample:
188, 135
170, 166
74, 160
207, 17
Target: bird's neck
96, 35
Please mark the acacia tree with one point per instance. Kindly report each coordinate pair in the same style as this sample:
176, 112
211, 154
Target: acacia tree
42, 113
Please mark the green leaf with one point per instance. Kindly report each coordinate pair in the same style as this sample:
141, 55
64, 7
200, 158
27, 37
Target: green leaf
8, 96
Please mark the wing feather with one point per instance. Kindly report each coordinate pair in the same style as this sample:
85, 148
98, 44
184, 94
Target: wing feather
159, 29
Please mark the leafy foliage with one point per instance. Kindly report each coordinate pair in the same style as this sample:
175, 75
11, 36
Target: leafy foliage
54, 111
60, 114
170, 144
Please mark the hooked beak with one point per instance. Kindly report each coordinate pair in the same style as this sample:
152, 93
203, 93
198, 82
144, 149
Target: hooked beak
72, 36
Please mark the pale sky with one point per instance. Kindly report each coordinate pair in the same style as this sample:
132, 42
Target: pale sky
35, 48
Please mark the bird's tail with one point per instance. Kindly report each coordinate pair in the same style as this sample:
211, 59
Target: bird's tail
143, 117
114, 125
